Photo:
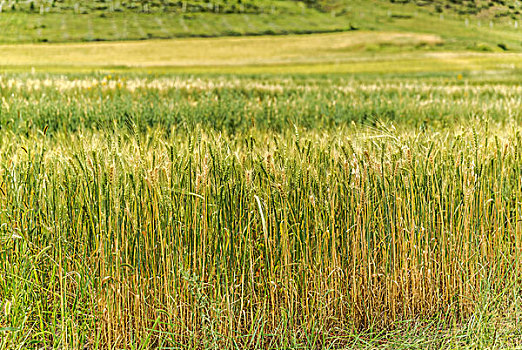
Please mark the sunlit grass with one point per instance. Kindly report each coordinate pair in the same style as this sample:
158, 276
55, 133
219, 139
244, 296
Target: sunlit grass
269, 212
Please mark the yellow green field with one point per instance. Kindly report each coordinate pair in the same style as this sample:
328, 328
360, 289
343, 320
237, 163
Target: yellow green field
356, 189
351, 52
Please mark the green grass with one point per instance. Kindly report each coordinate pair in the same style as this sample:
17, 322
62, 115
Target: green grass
481, 31
23, 28
357, 189
259, 212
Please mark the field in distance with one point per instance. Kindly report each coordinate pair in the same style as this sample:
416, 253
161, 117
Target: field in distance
475, 25
351, 52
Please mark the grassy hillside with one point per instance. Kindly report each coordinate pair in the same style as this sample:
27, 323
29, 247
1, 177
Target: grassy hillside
487, 8
480, 8
480, 25
151, 6
62, 21
91, 24
372, 36
483, 31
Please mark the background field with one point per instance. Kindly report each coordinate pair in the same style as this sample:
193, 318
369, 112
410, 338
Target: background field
351, 52
365, 37
475, 25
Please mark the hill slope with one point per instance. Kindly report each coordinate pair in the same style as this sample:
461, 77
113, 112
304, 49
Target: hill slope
463, 25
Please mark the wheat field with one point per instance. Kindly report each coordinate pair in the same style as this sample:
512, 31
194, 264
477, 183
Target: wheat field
204, 212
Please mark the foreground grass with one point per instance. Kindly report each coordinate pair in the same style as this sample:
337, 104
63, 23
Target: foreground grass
287, 212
